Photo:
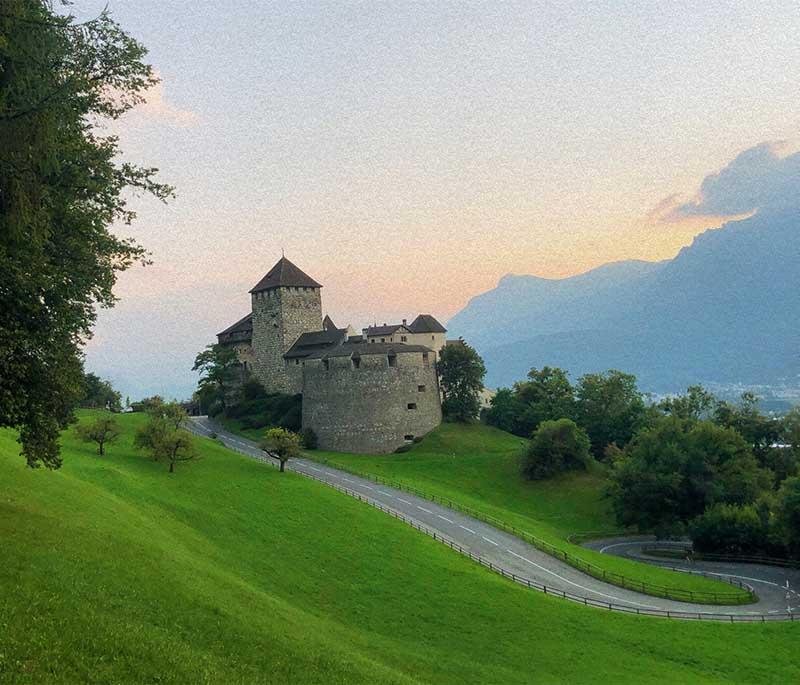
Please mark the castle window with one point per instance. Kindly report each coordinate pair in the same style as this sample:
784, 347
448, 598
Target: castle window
392, 359
296, 362
383, 339
356, 362
420, 388
408, 437
412, 405
403, 338
425, 359
326, 364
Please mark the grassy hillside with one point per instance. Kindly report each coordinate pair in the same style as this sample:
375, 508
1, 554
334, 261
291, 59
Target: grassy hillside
114, 570
478, 467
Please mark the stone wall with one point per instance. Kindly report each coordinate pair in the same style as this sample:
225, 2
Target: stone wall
280, 315
374, 408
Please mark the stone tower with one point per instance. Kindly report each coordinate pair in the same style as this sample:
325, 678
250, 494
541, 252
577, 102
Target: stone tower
286, 303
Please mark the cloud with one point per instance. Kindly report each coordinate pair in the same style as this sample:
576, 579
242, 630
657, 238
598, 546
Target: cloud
157, 106
758, 178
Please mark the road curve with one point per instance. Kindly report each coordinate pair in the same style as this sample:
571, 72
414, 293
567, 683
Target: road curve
503, 551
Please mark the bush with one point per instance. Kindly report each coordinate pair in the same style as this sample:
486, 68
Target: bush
403, 448
556, 446
253, 390
729, 529
309, 439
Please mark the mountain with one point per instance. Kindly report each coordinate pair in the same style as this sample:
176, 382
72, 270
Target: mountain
726, 309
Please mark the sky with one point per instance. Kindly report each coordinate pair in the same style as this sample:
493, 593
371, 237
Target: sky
407, 155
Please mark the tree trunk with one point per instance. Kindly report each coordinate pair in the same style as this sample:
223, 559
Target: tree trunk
283, 463
101, 449
172, 467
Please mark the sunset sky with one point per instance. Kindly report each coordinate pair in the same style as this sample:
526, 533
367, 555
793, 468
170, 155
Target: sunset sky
408, 155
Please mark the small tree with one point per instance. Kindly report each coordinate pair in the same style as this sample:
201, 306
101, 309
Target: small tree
100, 394
102, 430
281, 444
556, 446
175, 446
461, 373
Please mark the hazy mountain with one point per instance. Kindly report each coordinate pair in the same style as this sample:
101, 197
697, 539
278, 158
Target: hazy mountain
725, 309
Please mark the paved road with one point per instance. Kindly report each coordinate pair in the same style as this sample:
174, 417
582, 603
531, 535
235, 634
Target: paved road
494, 546
774, 584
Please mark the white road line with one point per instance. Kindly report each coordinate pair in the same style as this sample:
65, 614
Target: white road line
347, 480
367, 487
314, 468
424, 509
595, 592
404, 501
488, 540
388, 494
469, 530
444, 518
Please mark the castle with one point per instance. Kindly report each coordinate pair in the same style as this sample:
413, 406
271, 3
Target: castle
372, 392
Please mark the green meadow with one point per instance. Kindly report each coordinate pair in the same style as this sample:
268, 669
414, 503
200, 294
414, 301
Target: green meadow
115, 571
477, 466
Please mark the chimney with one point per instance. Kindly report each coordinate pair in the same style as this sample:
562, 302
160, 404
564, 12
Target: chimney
404, 322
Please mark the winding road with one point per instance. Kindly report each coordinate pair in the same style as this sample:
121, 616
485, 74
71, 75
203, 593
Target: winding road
526, 564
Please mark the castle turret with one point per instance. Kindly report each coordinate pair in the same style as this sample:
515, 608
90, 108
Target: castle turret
286, 303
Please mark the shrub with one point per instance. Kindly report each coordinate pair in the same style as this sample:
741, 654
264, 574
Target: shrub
253, 390
309, 439
556, 446
729, 529
403, 448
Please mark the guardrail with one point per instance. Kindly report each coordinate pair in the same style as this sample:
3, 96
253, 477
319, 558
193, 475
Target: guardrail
691, 554
678, 594
747, 595
541, 587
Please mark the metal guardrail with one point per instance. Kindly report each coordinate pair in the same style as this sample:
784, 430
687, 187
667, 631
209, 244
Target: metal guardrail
534, 585
691, 554
526, 582
667, 592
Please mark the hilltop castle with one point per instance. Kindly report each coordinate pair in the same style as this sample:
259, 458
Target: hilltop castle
371, 392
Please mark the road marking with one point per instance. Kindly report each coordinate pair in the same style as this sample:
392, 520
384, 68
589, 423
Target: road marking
404, 501
469, 530
424, 509
314, 468
488, 540
595, 592
347, 480
444, 518
388, 494
367, 487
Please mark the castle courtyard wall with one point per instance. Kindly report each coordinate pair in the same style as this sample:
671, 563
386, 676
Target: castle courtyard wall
366, 409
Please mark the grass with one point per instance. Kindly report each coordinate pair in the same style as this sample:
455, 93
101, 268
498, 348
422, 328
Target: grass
477, 466
114, 570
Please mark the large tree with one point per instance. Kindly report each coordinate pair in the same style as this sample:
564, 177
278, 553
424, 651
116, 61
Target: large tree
100, 394
676, 468
461, 373
610, 407
217, 365
62, 186
556, 446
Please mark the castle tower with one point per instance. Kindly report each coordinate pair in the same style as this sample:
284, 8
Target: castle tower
286, 303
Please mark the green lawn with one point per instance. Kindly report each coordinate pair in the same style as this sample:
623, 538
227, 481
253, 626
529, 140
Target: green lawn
478, 467
115, 571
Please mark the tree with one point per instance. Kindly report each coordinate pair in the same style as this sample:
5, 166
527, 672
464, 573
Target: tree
62, 186
696, 404
610, 408
162, 437
461, 373
217, 365
760, 431
505, 411
281, 444
547, 395
729, 529
556, 446
102, 430
787, 514
100, 394
675, 469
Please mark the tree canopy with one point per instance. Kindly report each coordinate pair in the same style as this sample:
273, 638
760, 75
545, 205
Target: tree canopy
62, 186
461, 372
556, 446
100, 394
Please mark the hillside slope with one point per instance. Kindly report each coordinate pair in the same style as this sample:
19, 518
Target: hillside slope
227, 571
